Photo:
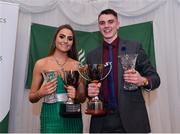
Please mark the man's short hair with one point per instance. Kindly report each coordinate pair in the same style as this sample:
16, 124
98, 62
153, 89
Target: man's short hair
108, 11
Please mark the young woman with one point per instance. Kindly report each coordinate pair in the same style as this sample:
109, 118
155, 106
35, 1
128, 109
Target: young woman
63, 56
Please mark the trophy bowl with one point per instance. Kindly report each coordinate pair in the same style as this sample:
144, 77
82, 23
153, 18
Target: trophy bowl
128, 61
70, 78
95, 73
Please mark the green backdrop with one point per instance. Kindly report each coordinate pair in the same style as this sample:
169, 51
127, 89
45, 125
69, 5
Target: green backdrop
41, 38
4, 124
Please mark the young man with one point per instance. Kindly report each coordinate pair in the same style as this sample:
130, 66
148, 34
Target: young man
126, 111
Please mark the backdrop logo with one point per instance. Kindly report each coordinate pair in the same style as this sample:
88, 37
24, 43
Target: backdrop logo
3, 20
81, 56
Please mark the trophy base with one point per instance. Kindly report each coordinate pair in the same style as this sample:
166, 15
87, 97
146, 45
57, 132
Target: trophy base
70, 110
130, 86
96, 112
95, 107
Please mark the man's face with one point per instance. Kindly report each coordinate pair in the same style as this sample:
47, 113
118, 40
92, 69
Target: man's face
108, 26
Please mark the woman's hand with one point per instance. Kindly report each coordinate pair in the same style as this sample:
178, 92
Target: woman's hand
48, 88
71, 91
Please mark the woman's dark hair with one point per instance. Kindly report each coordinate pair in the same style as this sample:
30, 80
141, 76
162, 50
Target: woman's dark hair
72, 53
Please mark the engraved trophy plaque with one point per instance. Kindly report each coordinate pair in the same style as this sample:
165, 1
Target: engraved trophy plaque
49, 75
128, 61
95, 73
70, 78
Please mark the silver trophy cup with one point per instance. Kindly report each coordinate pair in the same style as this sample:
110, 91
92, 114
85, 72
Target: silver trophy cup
95, 73
70, 78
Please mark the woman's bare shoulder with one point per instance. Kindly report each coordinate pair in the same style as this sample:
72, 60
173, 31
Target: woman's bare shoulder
43, 62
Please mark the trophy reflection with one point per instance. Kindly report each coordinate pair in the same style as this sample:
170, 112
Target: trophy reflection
95, 73
128, 61
70, 78
49, 75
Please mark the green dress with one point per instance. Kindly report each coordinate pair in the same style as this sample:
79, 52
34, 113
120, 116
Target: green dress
52, 122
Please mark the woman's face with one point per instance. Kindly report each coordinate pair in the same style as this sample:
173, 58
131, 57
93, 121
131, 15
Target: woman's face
64, 40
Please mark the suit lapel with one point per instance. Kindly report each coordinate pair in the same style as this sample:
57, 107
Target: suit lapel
120, 69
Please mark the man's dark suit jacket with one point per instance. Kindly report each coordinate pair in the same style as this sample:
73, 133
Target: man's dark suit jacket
131, 104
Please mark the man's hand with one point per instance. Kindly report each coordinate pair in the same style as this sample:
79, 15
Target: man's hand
93, 89
133, 76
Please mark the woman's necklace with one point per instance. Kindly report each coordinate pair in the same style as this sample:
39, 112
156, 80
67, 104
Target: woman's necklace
61, 65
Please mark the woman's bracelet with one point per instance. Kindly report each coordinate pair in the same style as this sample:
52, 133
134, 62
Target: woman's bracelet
37, 94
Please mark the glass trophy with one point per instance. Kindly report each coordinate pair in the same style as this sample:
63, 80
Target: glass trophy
49, 75
128, 61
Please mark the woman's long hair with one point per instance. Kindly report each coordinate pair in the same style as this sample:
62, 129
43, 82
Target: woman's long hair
72, 53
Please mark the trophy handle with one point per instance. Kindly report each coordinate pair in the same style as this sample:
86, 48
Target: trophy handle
81, 74
106, 64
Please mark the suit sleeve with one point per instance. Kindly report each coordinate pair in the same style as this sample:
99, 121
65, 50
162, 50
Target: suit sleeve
145, 68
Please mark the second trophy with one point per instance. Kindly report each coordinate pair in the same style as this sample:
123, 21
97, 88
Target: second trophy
70, 78
128, 62
95, 73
